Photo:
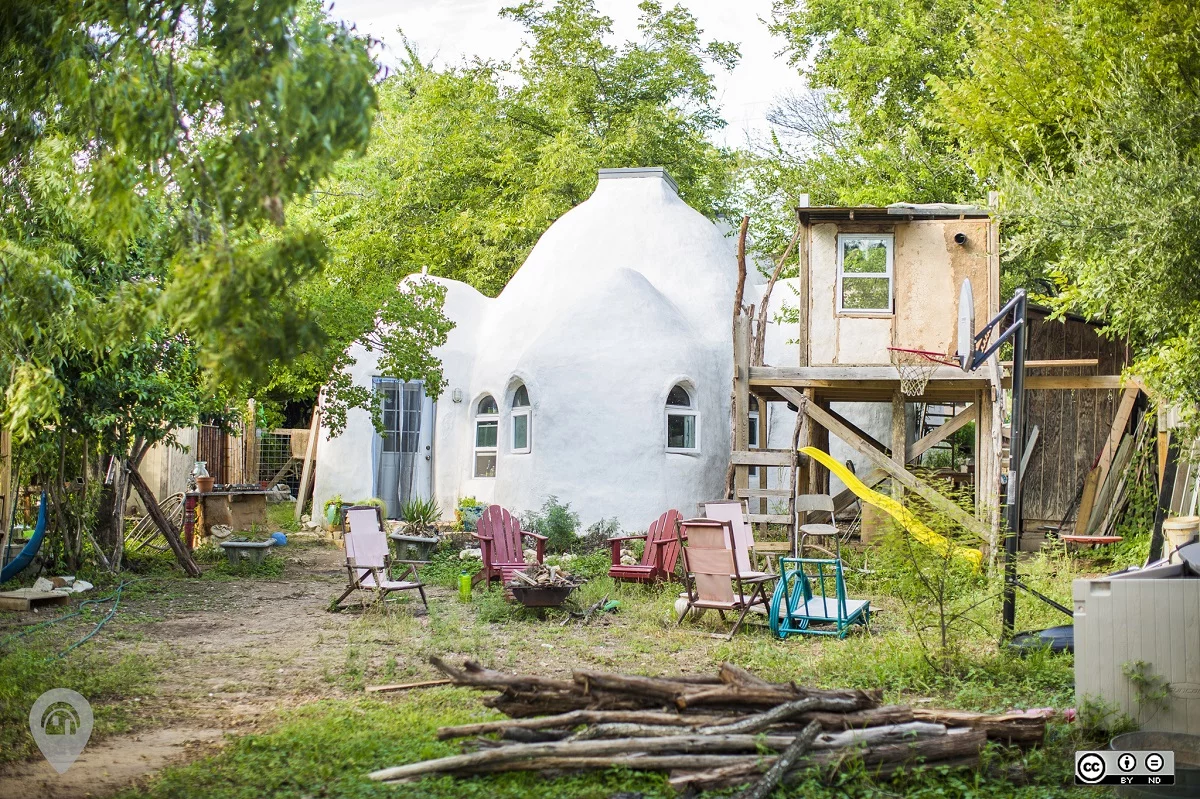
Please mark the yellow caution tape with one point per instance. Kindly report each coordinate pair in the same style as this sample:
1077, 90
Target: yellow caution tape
907, 520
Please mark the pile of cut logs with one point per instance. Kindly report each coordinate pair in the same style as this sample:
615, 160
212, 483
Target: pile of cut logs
706, 731
541, 576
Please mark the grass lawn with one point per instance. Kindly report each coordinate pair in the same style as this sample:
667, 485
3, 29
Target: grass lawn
262, 649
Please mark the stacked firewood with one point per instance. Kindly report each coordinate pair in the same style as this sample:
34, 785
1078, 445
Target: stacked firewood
706, 731
541, 576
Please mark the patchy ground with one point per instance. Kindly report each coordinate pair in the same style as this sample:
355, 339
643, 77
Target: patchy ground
236, 656
234, 652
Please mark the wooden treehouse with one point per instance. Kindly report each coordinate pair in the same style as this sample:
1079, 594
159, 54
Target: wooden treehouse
874, 284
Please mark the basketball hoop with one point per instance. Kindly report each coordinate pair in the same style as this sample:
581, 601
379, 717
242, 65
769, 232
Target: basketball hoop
916, 367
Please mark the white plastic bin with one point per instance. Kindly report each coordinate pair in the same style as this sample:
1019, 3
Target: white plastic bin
1123, 620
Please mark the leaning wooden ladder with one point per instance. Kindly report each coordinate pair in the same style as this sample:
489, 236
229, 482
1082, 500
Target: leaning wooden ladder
764, 458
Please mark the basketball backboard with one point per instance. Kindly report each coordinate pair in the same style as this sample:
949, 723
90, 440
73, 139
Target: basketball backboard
966, 325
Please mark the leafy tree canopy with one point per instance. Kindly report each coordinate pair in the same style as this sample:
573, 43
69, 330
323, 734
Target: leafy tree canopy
149, 155
1083, 113
468, 165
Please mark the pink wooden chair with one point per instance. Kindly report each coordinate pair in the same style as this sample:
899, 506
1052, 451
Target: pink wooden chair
712, 576
659, 557
368, 561
733, 511
500, 537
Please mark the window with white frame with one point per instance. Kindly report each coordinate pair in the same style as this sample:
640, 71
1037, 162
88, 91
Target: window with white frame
522, 417
864, 275
683, 421
487, 427
753, 429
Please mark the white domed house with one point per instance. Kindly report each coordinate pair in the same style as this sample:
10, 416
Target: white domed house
601, 374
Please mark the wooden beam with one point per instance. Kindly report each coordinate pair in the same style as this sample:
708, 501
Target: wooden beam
1075, 382
877, 459
818, 475
993, 255
751, 493
310, 454
1117, 432
817, 376
251, 442
899, 429
803, 251
768, 518
845, 497
1027, 450
741, 394
1055, 363
760, 457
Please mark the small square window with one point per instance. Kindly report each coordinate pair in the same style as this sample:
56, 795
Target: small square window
485, 434
485, 464
681, 431
865, 273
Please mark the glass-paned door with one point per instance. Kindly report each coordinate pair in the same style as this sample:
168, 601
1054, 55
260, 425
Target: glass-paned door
398, 449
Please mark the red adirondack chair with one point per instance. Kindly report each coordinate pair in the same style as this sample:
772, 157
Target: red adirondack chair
658, 559
500, 534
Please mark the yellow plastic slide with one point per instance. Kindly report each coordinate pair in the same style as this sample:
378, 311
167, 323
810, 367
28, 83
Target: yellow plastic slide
893, 508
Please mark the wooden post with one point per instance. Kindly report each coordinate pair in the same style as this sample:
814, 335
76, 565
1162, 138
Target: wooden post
988, 467
899, 438
764, 411
803, 249
182, 554
250, 441
818, 475
993, 255
741, 397
1164, 438
310, 454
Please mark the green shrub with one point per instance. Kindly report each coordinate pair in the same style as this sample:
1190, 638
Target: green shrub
597, 536
557, 522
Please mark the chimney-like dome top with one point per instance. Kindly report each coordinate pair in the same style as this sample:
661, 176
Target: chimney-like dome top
640, 172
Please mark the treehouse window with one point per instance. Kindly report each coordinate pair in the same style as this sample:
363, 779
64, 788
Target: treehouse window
865, 274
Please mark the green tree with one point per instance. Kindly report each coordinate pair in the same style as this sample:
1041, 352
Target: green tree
150, 154
864, 132
470, 164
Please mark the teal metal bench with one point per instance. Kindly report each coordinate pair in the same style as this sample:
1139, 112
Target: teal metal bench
813, 590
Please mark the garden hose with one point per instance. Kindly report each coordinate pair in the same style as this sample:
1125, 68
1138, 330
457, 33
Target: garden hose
115, 595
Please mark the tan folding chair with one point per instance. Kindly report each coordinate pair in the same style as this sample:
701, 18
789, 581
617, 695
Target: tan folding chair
368, 561
711, 573
808, 503
734, 512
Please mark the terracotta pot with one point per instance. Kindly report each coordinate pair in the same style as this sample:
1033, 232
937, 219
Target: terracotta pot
204, 484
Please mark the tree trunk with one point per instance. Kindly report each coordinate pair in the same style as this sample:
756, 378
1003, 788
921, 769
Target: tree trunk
148, 499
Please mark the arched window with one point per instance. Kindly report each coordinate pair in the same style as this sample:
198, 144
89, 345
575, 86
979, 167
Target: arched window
487, 425
683, 421
522, 418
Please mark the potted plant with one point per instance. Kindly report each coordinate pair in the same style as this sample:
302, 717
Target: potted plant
418, 535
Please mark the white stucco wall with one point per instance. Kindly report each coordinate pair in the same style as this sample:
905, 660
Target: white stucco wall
622, 297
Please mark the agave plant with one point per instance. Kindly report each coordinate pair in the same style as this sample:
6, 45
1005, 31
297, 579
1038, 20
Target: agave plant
419, 515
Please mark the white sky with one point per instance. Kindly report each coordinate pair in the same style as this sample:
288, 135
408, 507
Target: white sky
446, 31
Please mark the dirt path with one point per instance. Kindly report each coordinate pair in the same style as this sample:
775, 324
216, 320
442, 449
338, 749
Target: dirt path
237, 651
